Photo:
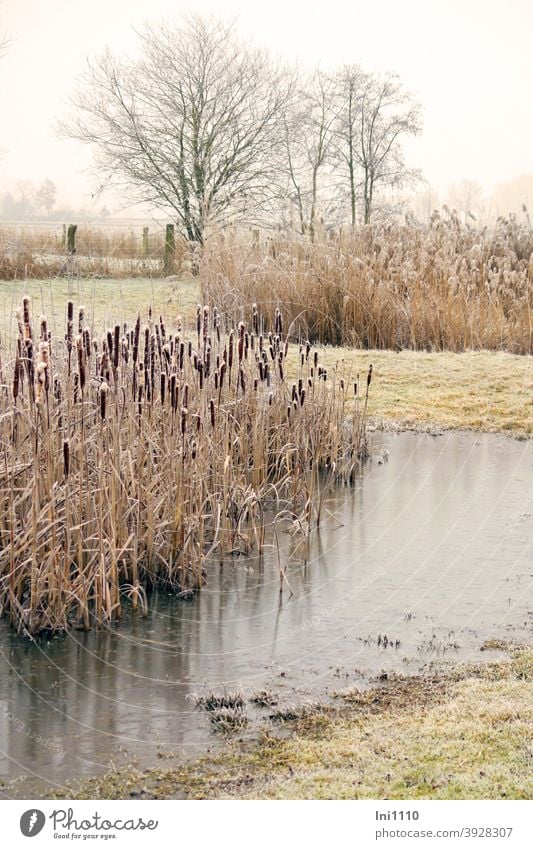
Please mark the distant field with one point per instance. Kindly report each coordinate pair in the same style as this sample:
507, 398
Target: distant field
105, 300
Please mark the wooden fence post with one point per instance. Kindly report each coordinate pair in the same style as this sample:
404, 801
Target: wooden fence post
170, 249
71, 239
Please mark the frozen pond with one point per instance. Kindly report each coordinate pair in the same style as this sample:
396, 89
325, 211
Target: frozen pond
431, 549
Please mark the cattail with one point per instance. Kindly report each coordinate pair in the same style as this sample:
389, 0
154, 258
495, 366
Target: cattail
173, 394
87, 341
255, 319
198, 321
136, 335
302, 397
104, 388
281, 370
76, 387
181, 355
369, 376
16, 377
70, 324
315, 359
81, 316
206, 323
293, 392
256, 384
230, 350
66, 457
162, 378
26, 314
125, 349
183, 420
341, 383
240, 348
186, 395
222, 373
261, 370
242, 380
270, 399
159, 345
81, 362
116, 346
44, 328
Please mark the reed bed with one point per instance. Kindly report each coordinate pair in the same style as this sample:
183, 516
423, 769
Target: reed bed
135, 459
442, 287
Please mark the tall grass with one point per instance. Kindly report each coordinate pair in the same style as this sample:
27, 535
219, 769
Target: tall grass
444, 287
134, 459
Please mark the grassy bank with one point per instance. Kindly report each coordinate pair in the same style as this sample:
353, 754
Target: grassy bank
465, 733
478, 390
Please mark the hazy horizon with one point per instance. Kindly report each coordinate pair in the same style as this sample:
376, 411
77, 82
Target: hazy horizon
467, 63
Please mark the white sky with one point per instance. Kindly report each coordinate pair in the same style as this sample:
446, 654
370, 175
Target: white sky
468, 62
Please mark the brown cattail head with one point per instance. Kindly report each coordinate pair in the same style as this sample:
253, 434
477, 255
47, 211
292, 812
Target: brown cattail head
104, 389
40, 383
136, 334
183, 420
44, 328
81, 361
87, 341
66, 457
81, 317
16, 377
198, 320
369, 375
116, 346
26, 317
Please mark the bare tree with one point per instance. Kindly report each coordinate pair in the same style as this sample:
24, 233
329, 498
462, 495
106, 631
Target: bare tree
191, 126
375, 113
308, 122
466, 197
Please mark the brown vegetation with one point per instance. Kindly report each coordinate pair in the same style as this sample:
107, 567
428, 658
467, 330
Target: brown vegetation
130, 460
445, 287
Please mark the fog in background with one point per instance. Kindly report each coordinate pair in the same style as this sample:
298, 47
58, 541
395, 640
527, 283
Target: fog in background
468, 63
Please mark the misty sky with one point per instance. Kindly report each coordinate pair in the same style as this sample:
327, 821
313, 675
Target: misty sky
467, 61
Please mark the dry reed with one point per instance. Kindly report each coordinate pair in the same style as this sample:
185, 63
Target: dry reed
134, 459
442, 287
